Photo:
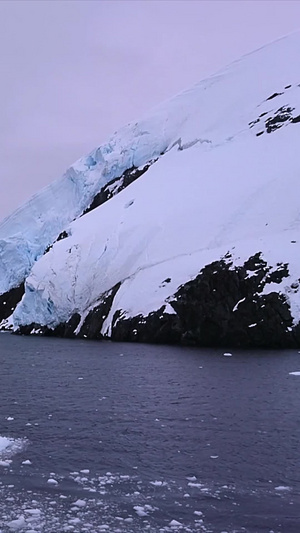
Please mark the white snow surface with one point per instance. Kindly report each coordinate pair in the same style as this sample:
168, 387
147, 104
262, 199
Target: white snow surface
218, 187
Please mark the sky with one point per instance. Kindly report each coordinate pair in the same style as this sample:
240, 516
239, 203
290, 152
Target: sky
72, 72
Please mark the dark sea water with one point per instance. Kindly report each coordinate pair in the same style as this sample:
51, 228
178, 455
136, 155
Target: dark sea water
129, 438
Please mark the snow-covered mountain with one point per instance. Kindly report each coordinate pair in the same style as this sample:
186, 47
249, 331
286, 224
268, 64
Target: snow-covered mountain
184, 227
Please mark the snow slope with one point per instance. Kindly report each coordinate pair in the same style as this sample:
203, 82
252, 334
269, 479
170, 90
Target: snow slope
228, 180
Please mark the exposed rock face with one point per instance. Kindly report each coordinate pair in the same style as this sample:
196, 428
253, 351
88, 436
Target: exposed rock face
9, 300
272, 120
223, 305
117, 185
62, 235
93, 323
158, 327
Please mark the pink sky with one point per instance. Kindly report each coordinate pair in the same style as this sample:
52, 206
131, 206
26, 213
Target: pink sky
72, 72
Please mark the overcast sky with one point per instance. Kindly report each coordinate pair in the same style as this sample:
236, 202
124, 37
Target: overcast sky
72, 72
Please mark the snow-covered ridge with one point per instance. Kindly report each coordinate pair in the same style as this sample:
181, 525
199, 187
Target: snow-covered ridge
209, 113
227, 182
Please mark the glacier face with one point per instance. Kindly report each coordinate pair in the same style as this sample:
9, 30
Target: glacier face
226, 180
26, 234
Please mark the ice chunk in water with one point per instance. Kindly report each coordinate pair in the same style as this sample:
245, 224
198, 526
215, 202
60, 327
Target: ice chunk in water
19, 523
9, 446
4, 443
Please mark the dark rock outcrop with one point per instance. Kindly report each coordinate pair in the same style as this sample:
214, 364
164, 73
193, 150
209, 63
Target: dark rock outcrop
275, 120
273, 96
91, 328
224, 306
9, 301
158, 327
283, 114
116, 185
61, 236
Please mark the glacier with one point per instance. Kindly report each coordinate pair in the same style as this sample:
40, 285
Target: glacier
220, 186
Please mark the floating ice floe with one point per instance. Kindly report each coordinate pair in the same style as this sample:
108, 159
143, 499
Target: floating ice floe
19, 523
80, 503
52, 481
157, 483
9, 447
175, 523
5, 443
